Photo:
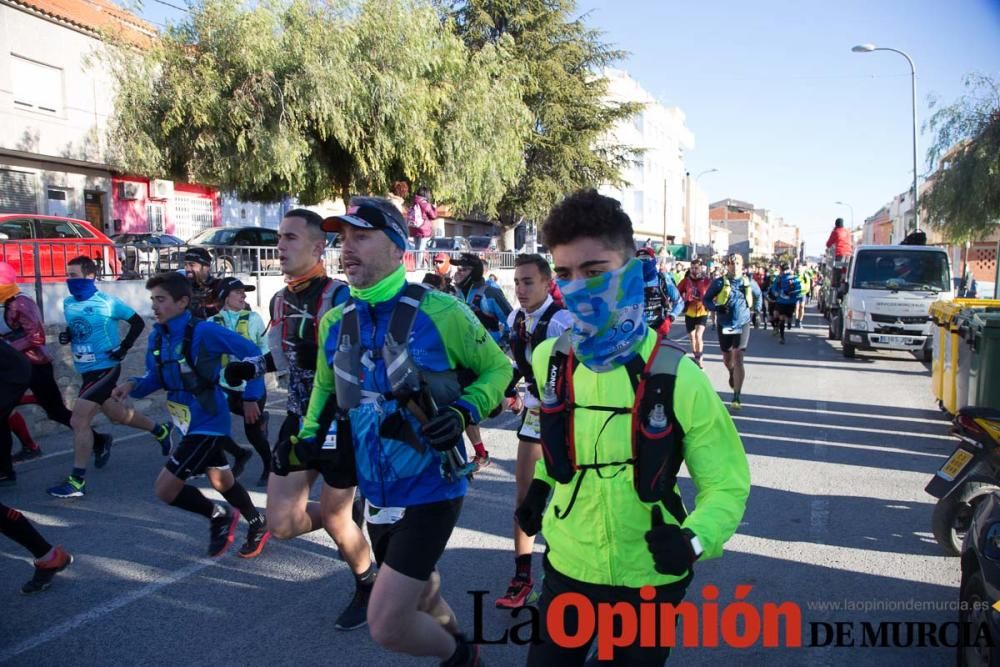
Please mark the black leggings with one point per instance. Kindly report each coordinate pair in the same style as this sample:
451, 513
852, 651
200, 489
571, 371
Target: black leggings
43, 386
10, 396
256, 433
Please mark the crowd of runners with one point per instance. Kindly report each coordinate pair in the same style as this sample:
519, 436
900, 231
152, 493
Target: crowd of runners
384, 379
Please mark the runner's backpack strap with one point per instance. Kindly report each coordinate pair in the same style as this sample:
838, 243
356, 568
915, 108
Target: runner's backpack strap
347, 359
657, 437
404, 376
556, 412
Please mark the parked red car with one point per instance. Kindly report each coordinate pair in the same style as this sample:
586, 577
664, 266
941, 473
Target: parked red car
58, 240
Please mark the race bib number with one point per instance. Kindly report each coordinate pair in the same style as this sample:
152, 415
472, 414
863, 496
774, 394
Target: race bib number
732, 331
531, 428
82, 354
381, 516
180, 415
330, 442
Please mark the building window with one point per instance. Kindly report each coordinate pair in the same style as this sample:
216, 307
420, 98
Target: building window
154, 218
36, 86
192, 215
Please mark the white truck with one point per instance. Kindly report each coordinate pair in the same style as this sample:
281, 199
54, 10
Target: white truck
884, 304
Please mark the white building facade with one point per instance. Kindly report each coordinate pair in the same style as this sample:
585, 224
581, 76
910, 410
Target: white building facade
654, 195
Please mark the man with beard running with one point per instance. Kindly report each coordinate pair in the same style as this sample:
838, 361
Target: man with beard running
296, 312
388, 407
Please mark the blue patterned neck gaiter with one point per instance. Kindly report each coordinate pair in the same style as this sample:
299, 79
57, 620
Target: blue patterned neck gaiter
608, 324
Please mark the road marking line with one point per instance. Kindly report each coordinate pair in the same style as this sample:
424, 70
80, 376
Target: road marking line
97, 612
858, 429
825, 410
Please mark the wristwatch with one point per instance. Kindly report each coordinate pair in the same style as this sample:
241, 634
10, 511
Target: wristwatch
696, 548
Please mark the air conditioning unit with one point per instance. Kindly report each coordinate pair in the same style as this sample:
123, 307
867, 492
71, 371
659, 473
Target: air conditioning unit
129, 190
160, 189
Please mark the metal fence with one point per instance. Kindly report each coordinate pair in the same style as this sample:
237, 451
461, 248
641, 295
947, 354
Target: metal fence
42, 262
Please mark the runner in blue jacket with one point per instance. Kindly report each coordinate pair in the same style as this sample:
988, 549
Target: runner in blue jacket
184, 358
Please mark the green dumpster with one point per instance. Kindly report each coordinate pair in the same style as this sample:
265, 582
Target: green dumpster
984, 366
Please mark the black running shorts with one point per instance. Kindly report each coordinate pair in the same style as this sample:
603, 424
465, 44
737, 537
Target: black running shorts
786, 309
691, 323
196, 453
413, 545
729, 342
98, 385
335, 476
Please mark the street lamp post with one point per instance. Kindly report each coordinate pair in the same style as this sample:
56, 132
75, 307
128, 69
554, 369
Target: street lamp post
840, 203
687, 207
868, 48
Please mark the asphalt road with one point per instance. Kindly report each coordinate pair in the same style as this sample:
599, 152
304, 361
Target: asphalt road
839, 453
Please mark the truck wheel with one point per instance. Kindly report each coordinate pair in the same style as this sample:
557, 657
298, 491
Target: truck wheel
849, 351
927, 356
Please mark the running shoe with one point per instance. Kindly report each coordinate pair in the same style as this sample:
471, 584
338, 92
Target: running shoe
162, 434
736, 405
781, 340
355, 615
45, 571
257, 537
517, 593
240, 461
102, 451
26, 454
473, 660
73, 487
221, 532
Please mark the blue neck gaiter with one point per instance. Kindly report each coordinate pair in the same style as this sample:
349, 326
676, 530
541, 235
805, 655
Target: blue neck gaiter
81, 288
607, 310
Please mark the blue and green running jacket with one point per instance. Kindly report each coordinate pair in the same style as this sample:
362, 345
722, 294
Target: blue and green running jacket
445, 336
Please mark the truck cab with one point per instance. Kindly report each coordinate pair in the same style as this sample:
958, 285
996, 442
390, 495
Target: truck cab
884, 303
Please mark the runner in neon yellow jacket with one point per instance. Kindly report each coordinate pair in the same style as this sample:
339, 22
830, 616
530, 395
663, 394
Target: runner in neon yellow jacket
601, 541
604, 542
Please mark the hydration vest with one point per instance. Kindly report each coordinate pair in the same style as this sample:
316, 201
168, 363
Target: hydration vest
288, 306
406, 380
197, 376
657, 453
242, 328
722, 298
521, 342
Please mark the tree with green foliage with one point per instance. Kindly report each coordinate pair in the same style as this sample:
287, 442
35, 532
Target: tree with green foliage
964, 198
561, 60
320, 99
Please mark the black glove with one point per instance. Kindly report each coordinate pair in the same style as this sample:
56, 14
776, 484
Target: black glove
65, 337
279, 456
489, 321
117, 354
305, 355
529, 513
670, 545
239, 371
445, 430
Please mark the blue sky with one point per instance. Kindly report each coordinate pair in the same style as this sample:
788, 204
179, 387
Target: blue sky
791, 118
